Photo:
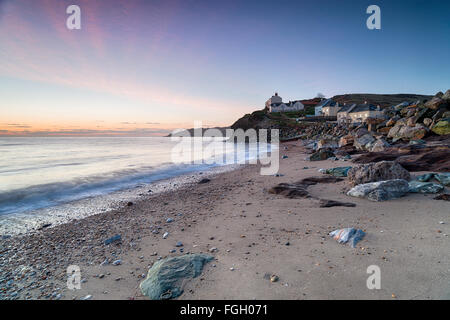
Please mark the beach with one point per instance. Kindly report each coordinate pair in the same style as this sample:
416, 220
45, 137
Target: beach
255, 233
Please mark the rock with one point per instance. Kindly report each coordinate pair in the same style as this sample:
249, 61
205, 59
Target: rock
384, 130
350, 235
117, 262
324, 203
44, 226
88, 297
179, 244
129, 204
205, 180
115, 238
338, 172
400, 131
413, 157
427, 122
298, 189
442, 127
166, 277
411, 122
435, 103
377, 171
322, 154
169, 220
285, 157
381, 190
361, 132
444, 196
165, 235
346, 140
379, 145
327, 144
424, 187
418, 141
391, 122
274, 278
446, 95
361, 142
442, 178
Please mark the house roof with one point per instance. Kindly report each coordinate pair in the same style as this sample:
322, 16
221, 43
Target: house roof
364, 107
347, 107
327, 103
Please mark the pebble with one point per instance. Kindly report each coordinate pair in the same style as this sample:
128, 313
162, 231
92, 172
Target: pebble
88, 297
117, 262
165, 235
169, 220
179, 244
274, 278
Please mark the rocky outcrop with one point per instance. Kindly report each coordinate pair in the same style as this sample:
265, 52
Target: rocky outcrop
379, 171
165, 278
380, 191
414, 157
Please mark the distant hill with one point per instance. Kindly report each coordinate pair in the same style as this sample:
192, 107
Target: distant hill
384, 100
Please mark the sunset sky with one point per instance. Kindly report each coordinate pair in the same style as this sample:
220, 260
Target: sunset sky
143, 67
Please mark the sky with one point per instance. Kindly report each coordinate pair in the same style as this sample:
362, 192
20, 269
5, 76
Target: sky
144, 67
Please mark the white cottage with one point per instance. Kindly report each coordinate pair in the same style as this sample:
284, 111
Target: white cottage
276, 104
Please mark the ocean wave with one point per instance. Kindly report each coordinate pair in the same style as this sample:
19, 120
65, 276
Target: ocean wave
45, 195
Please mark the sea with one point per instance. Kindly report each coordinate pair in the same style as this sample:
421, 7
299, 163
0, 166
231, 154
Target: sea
52, 180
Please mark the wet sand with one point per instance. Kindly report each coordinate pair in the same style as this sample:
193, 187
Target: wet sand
255, 233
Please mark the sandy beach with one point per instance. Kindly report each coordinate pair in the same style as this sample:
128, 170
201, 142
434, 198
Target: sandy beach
255, 234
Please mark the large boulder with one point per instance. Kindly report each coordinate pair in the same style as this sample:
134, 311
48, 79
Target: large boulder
435, 103
165, 278
442, 127
377, 171
381, 190
405, 132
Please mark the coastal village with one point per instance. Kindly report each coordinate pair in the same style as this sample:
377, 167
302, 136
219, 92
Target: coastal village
363, 181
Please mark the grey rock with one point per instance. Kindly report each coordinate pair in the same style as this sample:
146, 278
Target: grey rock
361, 142
381, 190
424, 187
377, 171
165, 278
379, 145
